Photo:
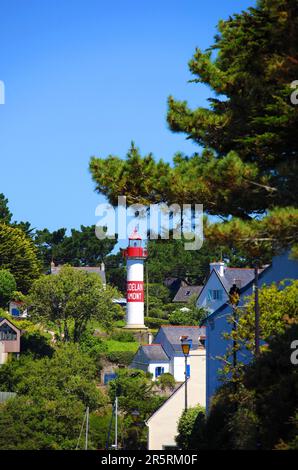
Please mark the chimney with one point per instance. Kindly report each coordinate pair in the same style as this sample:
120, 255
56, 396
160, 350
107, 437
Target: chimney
219, 266
150, 338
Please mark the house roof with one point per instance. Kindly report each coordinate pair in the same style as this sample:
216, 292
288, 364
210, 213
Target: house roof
185, 293
155, 352
3, 320
89, 269
242, 276
173, 334
243, 289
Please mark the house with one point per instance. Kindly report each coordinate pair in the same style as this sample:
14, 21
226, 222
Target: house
216, 323
173, 284
164, 354
9, 339
163, 423
100, 270
186, 293
16, 308
215, 292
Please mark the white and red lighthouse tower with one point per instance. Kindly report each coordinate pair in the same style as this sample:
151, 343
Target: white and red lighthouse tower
135, 256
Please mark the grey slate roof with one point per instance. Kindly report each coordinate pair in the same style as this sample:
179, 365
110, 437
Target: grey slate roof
155, 352
242, 277
185, 293
88, 269
173, 334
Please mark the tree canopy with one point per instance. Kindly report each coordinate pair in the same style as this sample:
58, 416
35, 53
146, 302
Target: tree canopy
7, 287
80, 248
19, 255
70, 299
248, 164
52, 395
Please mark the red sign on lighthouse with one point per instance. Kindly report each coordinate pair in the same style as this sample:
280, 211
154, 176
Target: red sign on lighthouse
135, 291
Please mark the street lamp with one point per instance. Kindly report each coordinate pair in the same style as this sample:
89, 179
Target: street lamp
185, 346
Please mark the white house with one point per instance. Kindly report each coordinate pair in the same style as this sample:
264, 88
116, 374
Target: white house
215, 292
163, 424
10, 336
164, 354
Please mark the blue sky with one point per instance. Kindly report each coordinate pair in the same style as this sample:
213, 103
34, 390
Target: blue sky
83, 78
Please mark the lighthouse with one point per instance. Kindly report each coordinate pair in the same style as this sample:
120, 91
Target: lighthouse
135, 256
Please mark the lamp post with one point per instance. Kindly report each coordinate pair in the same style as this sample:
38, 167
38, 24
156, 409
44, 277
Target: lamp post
185, 346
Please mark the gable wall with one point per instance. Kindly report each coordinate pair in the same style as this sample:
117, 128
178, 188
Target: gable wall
281, 268
214, 284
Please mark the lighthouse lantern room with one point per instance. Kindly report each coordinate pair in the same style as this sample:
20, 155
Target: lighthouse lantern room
135, 256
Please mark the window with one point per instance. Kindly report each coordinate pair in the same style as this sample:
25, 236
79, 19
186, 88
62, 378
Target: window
159, 371
214, 294
7, 333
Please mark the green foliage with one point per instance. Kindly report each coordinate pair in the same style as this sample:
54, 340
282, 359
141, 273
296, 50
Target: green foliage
5, 214
37, 344
7, 287
278, 304
249, 136
70, 300
92, 345
166, 382
19, 256
27, 424
81, 248
123, 336
155, 322
123, 358
99, 428
190, 428
52, 397
136, 393
251, 115
192, 316
116, 271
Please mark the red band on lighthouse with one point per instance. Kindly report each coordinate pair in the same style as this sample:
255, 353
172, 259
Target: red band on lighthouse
135, 291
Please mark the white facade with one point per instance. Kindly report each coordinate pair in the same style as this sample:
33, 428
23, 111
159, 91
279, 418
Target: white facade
153, 366
3, 355
178, 365
135, 309
213, 294
163, 424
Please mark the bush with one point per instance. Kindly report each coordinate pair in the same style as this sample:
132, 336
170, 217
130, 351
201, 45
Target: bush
120, 357
155, 322
7, 286
166, 381
123, 336
191, 428
37, 344
92, 345
182, 318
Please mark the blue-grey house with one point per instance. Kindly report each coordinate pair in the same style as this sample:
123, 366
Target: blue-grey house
216, 323
164, 354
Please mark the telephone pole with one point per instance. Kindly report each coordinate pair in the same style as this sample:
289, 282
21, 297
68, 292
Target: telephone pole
257, 312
